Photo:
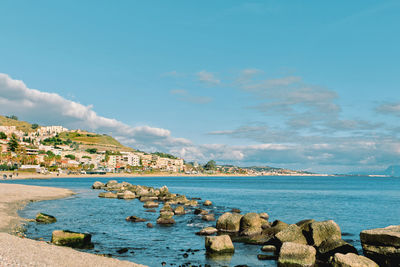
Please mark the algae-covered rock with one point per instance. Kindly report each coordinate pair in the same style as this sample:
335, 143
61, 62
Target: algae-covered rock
219, 244
294, 254
45, 218
321, 231
229, 222
208, 217
180, 210
292, 233
250, 224
71, 239
166, 219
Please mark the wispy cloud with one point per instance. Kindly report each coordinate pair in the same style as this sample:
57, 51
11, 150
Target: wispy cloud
185, 96
207, 78
389, 108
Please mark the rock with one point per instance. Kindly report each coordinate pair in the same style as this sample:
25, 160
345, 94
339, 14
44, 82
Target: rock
351, 260
329, 247
45, 218
207, 203
165, 219
200, 212
321, 231
180, 210
134, 219
235, 210
166, 207
128, 195
122, 250
150, 204
250, 224
278, 226
164, 190
111, 183
294, 254
167, 213
71, 239
149, 225
305, 224
269, 248
98, 185
147, 198
382, 245
192, 203
219, 244
264, 216
208, 217
265, 224
108, 195
292, 233
229, 222
207, 231
263, 257
151, 210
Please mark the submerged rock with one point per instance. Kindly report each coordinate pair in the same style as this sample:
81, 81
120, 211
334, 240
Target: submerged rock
219, 244
134, 219
165, 219
351, 260
71, 239
294, 254
207, 203
229, 222
180, 210
45, 218
207, 231
382, 245
200, 212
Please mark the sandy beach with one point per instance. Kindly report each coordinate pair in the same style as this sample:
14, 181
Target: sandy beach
16, 251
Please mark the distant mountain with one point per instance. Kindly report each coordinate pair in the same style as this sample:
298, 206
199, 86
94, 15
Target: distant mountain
393, 170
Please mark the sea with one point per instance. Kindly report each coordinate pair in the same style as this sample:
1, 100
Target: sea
354, 203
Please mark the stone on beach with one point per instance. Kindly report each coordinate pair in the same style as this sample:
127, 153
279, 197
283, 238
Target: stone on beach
219, 244
294, 254
207, 231
71, 239
351, 260
45, 218
382, 245
229, 222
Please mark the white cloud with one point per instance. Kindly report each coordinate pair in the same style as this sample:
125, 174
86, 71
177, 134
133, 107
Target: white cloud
208, 78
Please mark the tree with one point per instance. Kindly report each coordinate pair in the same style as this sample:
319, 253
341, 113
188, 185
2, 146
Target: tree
13, 117
70, 156
35, 126
211, 165
13, 143
3, 135
91, 150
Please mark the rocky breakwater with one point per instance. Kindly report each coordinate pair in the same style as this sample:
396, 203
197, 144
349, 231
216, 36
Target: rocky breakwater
382, 245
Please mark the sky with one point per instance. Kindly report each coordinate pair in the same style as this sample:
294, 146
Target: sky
306, 85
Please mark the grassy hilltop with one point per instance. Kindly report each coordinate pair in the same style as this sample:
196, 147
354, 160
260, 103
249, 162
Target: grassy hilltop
21, 125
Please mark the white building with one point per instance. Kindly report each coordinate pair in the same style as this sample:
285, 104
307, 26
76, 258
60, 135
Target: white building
51, 130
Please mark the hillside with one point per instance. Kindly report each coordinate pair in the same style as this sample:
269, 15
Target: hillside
21, 125
92, 140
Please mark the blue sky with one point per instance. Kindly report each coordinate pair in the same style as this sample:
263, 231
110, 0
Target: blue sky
307, 85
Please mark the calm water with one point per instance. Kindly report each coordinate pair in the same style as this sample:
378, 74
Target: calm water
355, 203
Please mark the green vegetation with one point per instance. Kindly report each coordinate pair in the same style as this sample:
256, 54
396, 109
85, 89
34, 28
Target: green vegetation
210, 166
12, 117
89, 138
164, 155
20, 125
55, 141
70, 156
86, 157
91, 150
13, 143
34, 126
3, 135
5, 167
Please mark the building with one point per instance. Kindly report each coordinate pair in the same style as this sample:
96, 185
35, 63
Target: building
130, 159
51, 130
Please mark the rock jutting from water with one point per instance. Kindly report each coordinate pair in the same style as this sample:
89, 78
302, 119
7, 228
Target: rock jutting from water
45, 218
71, 239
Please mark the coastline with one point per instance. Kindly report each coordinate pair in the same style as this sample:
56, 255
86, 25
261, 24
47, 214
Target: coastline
16, 251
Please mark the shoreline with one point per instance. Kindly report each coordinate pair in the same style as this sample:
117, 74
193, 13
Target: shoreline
17, 251
23, 176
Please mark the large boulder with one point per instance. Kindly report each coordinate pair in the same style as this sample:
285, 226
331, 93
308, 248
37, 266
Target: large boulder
219, 244
207, 203
111, 183
126, 195
296, 255
250, 224
322, 231
229, 222
164, 190
165, 219
330, 247
71, 239
382, 245
292, 233
98, 185
150, 204
351, 260
45, 218
207, 231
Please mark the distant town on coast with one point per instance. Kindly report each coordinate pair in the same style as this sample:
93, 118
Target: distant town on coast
30, 148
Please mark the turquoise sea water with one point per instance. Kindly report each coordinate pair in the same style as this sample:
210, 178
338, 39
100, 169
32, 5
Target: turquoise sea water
355, 203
